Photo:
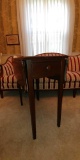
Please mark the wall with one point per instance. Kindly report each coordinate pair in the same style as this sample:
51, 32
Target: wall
8, 25
76, 38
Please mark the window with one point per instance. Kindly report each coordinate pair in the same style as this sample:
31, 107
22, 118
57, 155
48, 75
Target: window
48, 25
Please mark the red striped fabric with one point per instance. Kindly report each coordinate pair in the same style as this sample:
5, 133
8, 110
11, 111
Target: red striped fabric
50, 54
8, 67
74, 63
72, 76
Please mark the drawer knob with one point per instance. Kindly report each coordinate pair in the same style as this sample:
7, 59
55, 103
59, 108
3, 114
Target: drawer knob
48, 67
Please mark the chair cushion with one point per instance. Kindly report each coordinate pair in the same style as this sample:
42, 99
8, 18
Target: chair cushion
8, 82
46, 83
73, 76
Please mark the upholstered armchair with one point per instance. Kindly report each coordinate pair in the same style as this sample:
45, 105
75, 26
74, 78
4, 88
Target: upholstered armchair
8, 80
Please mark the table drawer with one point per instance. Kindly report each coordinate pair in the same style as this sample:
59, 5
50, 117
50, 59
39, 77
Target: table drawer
47, 69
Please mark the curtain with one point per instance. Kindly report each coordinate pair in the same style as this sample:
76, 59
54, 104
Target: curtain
45, 26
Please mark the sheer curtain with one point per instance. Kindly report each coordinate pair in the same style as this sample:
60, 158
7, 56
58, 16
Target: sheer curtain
45, 26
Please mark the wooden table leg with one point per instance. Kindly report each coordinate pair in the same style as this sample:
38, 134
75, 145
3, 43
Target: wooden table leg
37, 89
59, 108
31, 98
32, 107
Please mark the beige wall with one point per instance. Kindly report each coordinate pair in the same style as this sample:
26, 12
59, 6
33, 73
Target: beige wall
8, 25
76, 39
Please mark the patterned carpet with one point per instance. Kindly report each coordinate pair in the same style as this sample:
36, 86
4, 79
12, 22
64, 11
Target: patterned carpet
52, 143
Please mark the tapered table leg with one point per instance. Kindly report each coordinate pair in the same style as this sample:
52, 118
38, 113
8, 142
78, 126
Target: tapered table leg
32, 111
32, 104
59, 107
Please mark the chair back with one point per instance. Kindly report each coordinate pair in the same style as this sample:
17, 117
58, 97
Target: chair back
8, 67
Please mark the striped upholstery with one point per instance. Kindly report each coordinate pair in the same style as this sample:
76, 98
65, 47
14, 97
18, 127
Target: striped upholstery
49, 54
9, 82
8, 67
73, 72
74, 63
8, 79
72, 75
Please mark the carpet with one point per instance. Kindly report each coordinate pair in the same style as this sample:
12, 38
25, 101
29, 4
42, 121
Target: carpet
52, 143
